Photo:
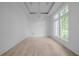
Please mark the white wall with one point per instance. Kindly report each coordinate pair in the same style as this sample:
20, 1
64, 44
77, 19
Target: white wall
38, 25
13, 25
73, 43
73, 28
16, 24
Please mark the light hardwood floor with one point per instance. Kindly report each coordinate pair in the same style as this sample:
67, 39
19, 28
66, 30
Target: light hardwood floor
38, 46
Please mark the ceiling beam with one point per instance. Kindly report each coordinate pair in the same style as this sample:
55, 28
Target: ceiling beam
51, 7
36, 12
25, 3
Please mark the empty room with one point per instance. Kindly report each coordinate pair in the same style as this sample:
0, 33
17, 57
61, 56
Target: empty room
39, 28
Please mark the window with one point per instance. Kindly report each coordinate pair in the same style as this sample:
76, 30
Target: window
56, 25
61, 24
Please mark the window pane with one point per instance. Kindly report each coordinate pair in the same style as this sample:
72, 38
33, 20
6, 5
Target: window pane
61, 24
62, 12
66, 9
56, 28
64, 27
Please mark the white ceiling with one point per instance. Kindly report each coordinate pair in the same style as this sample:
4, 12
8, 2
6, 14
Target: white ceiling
39, 7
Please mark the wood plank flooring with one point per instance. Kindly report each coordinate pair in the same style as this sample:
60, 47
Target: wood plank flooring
38, 46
